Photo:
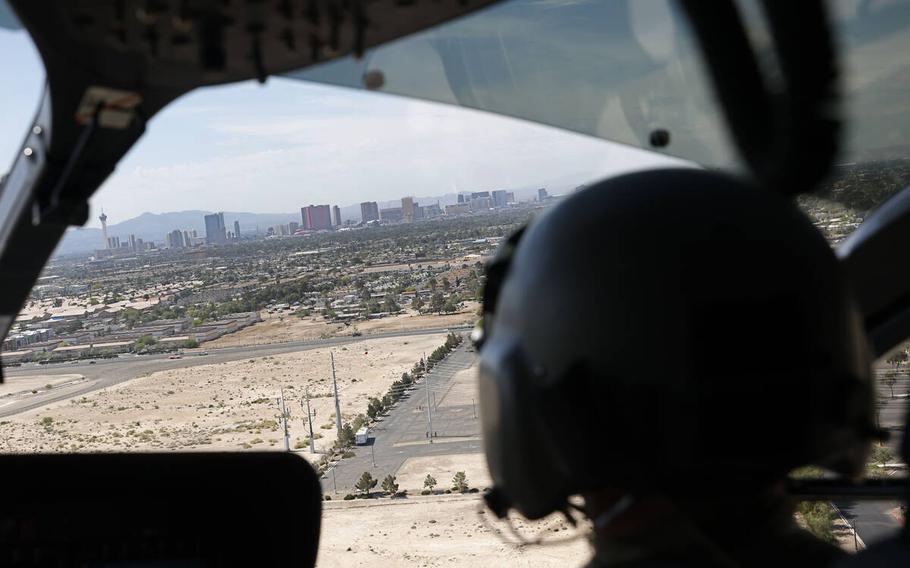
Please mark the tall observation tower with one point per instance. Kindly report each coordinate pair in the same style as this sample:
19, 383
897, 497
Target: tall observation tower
103, 219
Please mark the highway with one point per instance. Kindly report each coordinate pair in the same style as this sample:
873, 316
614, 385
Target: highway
108, 372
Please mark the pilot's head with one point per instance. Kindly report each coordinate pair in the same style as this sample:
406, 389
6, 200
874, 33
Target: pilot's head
671, 331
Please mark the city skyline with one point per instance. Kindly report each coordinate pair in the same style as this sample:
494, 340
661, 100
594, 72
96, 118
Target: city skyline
315, 218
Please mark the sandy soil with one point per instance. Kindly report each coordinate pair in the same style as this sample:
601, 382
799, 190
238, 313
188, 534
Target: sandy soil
277, 329
412, 320
223, 406
413, 471
282, 329
436, 531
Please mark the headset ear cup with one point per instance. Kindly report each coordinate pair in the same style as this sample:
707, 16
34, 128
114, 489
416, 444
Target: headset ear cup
522, 468
496, 271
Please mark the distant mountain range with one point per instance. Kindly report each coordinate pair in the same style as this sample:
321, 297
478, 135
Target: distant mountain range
154, 226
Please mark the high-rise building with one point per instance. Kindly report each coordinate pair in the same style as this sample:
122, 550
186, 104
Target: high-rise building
391, 215
459, 209
236, 230
479, 194
336, 213
430, 211
316, 217
481, 203
369, 211
510, 197
103, 219
176, 239
541, 194
113, 242
500, 198
215, 233
133, 242
460, 198
407, 209
293, 226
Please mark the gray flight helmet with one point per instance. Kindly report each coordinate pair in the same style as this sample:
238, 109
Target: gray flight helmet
673, 330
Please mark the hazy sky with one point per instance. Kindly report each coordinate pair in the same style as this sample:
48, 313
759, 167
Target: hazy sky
285, 144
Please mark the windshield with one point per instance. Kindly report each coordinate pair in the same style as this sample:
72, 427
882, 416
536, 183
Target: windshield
623, 70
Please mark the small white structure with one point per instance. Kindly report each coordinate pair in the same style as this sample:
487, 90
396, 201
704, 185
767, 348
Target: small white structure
362, 436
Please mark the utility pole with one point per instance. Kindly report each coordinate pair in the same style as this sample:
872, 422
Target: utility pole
309, 419
373, 452
426, 379
474, 409
284, 419
337, 402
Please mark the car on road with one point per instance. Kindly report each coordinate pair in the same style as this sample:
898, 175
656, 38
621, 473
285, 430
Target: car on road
176, 357
92, 362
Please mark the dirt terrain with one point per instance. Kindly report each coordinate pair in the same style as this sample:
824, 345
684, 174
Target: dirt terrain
444, 530
275, 328
223, 406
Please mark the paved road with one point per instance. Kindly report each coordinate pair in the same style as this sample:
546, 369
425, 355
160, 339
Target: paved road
402, 434
108, 372
872, 519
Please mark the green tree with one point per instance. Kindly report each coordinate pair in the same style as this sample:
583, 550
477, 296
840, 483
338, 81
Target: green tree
190, 344
143, 342
346, 437
374, 408
459, 482
446, 285
450, 305
389, 485
431, 283
390, 305
365, 483
819, 517
417, 303
429, 482
881, 454
436, 302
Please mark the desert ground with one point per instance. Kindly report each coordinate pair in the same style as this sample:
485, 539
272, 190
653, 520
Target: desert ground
443, 530
277, 328
414, 470
223, 406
